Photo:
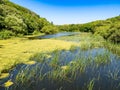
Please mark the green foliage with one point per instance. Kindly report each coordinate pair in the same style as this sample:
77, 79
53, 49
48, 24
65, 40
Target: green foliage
103, 31
3, 1
110, 31
19, 20
15, 24
86, 27
73, 27
43, 22
5, 34
50, 29
115, 35
2, 25
63, 28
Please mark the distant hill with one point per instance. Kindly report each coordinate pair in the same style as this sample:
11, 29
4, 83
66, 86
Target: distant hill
108, 29
17, 20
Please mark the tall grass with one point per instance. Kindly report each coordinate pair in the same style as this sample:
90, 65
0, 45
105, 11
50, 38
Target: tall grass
84, 72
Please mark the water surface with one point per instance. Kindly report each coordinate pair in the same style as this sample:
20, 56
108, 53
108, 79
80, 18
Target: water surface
74, 69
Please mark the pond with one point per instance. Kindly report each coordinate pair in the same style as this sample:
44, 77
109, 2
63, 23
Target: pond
74, 69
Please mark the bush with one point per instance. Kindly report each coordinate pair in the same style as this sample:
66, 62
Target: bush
49, 29
5, 34
109, 32
15, 24
115, 36
103, 31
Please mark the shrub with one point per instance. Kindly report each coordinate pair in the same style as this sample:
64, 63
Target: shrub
15, 24
49, 29
5, 34
115, 36
109, 32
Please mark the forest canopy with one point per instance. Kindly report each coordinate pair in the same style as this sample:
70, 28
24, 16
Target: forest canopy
17, 20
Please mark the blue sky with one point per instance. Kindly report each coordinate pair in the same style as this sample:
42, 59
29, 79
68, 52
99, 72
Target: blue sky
72, 11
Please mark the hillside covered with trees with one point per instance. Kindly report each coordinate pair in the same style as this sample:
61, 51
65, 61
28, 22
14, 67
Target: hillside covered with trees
109, 29
16, 20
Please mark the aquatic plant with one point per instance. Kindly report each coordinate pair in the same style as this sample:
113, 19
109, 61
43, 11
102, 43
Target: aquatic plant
84, 70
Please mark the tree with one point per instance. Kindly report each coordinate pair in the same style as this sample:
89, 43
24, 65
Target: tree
50, 29
3, 1
15, 24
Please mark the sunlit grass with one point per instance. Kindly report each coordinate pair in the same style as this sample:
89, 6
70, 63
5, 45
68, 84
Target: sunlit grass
4, 75
18, 50
8, 83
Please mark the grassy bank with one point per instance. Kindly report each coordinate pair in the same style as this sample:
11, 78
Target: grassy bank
17, 50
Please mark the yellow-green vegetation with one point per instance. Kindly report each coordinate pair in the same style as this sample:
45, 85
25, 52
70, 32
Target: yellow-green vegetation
49, 29
18, 50
8, 83
85, 40
88, 40
4, 75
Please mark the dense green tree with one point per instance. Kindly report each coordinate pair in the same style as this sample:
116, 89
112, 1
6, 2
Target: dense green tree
50, 29
110, 29
15, 24
63, 28
19, 20
3, 1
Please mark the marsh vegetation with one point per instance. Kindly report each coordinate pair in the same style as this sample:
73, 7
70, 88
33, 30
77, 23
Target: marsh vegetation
77, 65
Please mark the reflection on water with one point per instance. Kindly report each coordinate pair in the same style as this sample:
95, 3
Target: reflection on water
55, 35
95, 69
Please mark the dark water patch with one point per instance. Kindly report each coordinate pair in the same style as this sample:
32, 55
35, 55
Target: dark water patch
64, 57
